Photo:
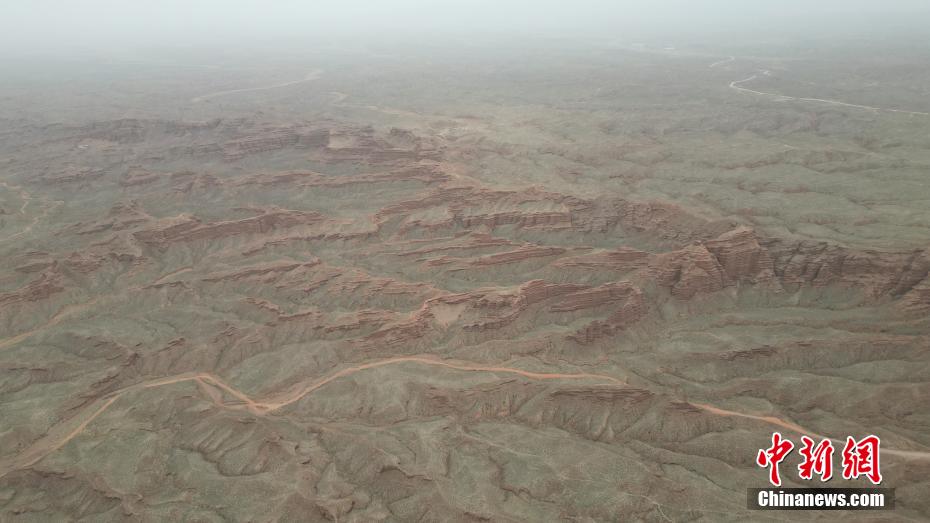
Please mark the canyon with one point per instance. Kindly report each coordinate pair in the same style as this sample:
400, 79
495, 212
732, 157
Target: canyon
535, 287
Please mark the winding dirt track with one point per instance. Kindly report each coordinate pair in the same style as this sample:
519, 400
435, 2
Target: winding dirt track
721, 62
63, 313
59, 435
794, 427
301, 391
737, 85
312, 75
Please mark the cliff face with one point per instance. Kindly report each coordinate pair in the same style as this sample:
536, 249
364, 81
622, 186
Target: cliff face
821, 264
688, 271
731, 258
741, 256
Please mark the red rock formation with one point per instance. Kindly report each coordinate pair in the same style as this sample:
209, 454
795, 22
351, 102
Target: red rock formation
662, 221
521, 254
187, 228
46, 285
702, 267
632, 309
427, 174
262, 141
252, 272
875, 273
459, 204
594, 297
399, 336
741, 256
360, 320
84, 263
532, 219
687, 271
121, 216
536, 291
463, 242
918, 298
503, 309
621, 260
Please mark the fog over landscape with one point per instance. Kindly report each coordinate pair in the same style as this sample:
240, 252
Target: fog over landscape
60, 24
461, 260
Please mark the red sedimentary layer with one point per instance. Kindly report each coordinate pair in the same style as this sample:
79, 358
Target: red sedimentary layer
593, 297
187, 229
268, 140
122, 216
820, 264
423, 173
458, 203
621, 260
360, 320
632, 308
521, 254
918, 298
39, 289
464, 242
687, 271
522, 219
252, 272
740, 255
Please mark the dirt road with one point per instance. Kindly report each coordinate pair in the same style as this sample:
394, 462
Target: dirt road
794, 427
59, 435
737, 85
312, 75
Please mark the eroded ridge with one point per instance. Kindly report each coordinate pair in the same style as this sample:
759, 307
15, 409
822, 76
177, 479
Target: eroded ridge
61, 434
354, 300
66, 431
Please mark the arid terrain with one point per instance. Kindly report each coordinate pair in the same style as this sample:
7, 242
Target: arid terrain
551, 283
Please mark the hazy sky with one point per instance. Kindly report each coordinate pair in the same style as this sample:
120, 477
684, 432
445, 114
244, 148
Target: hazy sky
76, 23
